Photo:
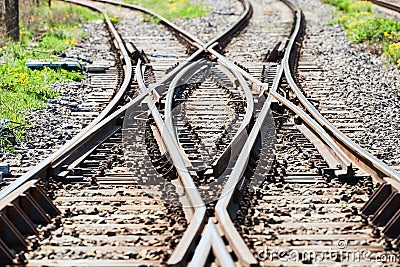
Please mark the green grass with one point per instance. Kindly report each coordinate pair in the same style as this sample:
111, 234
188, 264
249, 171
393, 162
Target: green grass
362, 25
44, 32
171, 9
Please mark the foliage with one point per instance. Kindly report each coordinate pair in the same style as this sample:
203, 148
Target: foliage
114, 20
44, 32
174, 8
361, 25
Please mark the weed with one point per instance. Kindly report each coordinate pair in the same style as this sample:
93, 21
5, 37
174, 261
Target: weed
22, 89
361, 25
392, 53
114, 20
174, 8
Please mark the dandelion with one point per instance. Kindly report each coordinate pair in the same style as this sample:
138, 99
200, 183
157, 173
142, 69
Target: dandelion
71, 42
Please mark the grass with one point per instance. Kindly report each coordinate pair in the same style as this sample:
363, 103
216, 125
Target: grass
171, 9
362, 25
44, 32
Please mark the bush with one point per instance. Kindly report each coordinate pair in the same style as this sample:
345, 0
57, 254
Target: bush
43, 32
361, 25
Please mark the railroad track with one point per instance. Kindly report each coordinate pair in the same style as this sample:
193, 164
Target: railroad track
202, 184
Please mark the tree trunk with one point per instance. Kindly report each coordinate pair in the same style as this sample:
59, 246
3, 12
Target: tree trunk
12, 19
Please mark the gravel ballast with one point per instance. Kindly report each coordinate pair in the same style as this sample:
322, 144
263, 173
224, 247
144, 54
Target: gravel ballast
223, 14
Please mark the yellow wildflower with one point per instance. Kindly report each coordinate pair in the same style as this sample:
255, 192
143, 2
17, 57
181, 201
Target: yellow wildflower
71, 42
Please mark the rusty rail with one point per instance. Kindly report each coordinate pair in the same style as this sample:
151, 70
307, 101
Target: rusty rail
381, 204
196, 203
386, 5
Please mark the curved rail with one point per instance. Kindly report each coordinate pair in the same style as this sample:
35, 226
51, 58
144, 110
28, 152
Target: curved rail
224, 38
181, 252
70, 150
188, 241
325, 129
387, 5
158, 89
221, 39
225, 204
180, 78
235, 146
370, 163
196, 203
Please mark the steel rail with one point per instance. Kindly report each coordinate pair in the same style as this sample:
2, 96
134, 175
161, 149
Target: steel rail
197, 221
183, 249
386, 5
225, 203
237, 141
211, 240
233, 149
223, 216
70, 149
171, 146
202, 47
196, 203
181, 78
340, 156
51, 164
379, 169
228, 63
157, 89
42, 170
229, 33
243, 20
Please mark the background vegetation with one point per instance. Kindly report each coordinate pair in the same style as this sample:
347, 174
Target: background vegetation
171, 9
44, 32
362, 25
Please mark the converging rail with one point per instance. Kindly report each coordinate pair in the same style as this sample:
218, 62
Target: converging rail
207, 168
335, 140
